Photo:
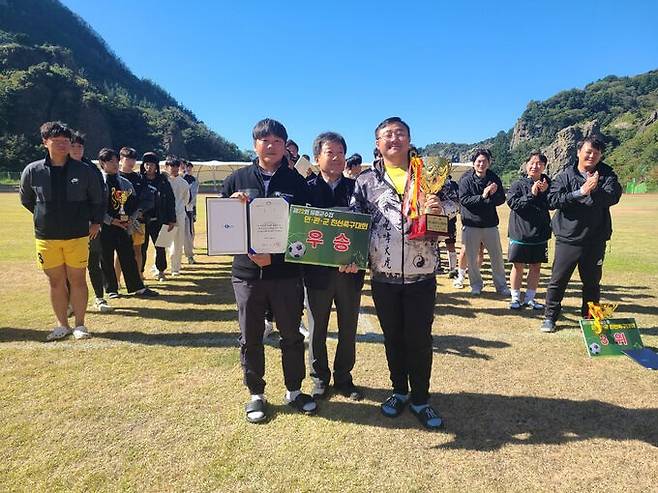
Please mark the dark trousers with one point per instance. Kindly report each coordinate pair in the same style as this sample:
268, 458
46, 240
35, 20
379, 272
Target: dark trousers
152, 229
285, 297
115, 239
345, 291
589, 259
405, 313
94, 265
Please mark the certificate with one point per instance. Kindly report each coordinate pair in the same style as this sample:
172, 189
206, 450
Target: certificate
166, 237
302, 166
226, 224
268, 225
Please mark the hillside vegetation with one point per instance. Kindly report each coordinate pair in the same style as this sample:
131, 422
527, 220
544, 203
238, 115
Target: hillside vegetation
48, 72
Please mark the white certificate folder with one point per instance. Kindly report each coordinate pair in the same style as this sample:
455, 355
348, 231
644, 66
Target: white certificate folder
237, 228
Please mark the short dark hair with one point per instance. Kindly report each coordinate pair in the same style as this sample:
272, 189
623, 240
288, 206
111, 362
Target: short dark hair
50, 130
291, 142
106, 154
481, 152
327, 137
77, 137
172, 161
354, 160
189, 163
128, 152
541, 157
595, 141
150, 157
391, 120
269, 127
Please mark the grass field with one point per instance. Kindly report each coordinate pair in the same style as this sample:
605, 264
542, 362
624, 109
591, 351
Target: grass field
154, 401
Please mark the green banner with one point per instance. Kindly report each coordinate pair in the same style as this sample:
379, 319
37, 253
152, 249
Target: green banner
618, 334
327, 237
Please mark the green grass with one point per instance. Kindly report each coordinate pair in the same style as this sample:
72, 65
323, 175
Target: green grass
154, 401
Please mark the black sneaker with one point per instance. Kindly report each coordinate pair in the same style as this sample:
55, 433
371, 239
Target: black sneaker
453, 274
147, 293
350, 391
113, 295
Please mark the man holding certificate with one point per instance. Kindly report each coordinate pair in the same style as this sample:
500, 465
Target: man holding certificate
403, 271
262, 279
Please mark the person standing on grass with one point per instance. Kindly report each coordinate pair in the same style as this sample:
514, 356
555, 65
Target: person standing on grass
162, 212
127, 162
529, 230
190, 210
582, 196
403, 272
116, 235
95, 250
65, 196
480, 192
264, 279
326, 286
181, 190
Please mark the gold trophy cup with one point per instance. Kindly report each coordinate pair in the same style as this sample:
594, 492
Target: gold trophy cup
121, 196
431, 173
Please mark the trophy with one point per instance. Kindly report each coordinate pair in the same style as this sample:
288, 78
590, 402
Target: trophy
427, 176
121, 197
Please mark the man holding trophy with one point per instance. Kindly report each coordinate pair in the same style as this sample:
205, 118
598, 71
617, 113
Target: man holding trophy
118, 227
403, 269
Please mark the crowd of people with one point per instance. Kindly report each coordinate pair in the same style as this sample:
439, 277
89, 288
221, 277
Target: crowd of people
83, 215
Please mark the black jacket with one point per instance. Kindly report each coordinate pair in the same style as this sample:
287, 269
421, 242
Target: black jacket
321, 195
529, 220
286, 183
65, 213
476, 211
585, 219
162, 197
144, 196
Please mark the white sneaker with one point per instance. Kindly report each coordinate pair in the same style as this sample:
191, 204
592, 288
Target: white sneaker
81, 332
161, 276
102, 305
269, 327
175, 274
458, 283
58, 333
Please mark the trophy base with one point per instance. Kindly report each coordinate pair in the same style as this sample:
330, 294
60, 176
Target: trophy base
429, 226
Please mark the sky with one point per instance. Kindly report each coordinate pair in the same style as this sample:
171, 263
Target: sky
454, 71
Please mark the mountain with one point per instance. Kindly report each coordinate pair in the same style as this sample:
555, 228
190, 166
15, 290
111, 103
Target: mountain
53, 66
622, 110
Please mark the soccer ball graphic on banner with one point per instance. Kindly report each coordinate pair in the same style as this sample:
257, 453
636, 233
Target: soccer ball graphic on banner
594, 348
297, 249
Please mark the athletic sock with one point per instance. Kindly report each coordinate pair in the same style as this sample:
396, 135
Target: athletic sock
530, 295
461, 273
516, 294
452, 260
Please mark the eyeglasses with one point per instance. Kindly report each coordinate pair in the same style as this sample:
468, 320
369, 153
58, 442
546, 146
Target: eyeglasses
398, 134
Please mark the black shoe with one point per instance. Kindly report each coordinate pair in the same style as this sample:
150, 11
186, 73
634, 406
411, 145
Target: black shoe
428, 417
147, 293
350, 391
393, 406
453, 274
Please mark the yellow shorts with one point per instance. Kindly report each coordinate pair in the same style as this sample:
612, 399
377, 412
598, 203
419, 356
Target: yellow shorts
53, 253
138, 238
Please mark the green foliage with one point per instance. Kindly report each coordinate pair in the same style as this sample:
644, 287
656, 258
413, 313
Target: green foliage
49, 73
637, 157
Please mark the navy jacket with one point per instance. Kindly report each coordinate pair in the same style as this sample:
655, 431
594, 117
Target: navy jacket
585, 219
321, 195
476, 211
286, 183
65, 213
529, 220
